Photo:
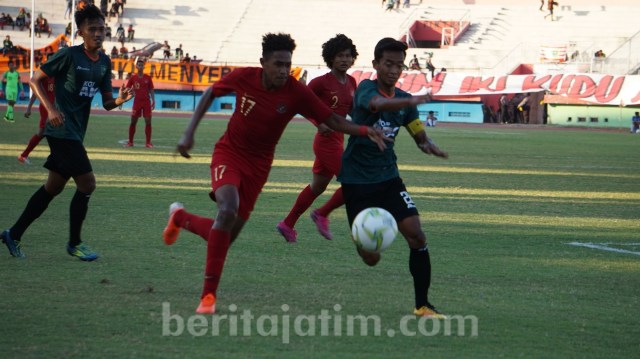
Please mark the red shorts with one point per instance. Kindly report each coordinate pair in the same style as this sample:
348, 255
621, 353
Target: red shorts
328, 150
141, 109
43, 116
247, 178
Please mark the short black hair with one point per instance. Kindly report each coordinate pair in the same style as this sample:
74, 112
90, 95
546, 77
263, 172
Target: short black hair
335, 45
277, 42
89, 12
389, 44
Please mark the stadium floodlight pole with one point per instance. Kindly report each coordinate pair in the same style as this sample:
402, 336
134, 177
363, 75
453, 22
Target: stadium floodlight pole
73, 23
33, 46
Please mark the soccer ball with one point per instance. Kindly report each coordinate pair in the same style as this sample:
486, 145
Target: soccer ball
374, 229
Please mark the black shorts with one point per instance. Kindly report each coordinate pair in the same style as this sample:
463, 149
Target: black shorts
391, 195
68, 158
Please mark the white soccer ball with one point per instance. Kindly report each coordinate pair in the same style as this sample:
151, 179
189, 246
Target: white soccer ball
374, 229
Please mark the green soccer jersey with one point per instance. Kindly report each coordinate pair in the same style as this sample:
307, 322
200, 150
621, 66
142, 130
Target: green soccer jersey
12, 83
77, 80
362, 160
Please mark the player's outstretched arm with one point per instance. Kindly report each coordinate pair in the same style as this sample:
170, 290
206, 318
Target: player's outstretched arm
341, 124
427, 145
124, 94
380, 103
186, 142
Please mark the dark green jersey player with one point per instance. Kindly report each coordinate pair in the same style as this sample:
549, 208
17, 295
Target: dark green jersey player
370, 177
80, 72
78, 79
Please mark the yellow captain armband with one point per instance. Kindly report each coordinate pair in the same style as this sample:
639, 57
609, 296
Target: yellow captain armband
414, 127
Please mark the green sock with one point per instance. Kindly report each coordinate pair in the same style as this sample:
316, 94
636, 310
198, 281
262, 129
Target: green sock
10, 112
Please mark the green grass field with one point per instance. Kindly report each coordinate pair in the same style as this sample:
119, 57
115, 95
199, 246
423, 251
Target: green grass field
499, 215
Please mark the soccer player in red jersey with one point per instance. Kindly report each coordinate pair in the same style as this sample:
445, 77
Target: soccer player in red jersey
38, 136
143, 103
335, 89
267, 98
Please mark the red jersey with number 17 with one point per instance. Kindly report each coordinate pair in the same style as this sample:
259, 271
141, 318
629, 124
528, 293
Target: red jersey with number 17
261, 116
142, 85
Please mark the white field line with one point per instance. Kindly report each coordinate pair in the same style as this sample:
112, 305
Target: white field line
605, 247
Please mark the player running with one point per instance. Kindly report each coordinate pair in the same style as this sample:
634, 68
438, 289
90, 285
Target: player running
79, 73
267, 98
143, 103
370, 178
335, 89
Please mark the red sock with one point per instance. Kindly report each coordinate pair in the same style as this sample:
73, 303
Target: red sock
33, 142
193, 223
147, 132
217, 247
334, 202
304, 201
132, 132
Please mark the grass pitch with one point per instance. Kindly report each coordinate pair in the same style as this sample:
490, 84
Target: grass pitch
500, 215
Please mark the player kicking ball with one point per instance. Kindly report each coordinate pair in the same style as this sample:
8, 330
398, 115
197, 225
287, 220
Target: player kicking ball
267, 98
370, 178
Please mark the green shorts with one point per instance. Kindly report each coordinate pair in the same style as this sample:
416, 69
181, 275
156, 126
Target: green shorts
11, 95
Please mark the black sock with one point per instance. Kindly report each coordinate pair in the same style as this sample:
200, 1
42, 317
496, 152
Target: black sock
35, 207
77, 213
420, 268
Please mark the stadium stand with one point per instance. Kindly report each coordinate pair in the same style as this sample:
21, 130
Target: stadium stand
501, 33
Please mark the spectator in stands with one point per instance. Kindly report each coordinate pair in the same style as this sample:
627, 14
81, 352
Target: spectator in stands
179, 52
120, 34
114, 52
67, 30
429, 65
186, 59
124, 52
115, 10
431, 119
120, 6
7, 45
195, 59
42, 25
414, 64
541, 5
550, 5
27, 22
390, 4
130, 33
20, 18
635, 123
166, 50
405, 4
6, 20
599, 54
107, 32
68, 10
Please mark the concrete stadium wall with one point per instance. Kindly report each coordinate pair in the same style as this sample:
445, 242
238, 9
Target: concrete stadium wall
590, 116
